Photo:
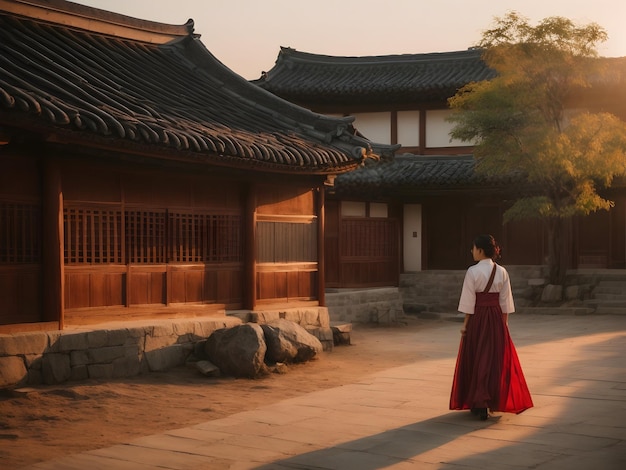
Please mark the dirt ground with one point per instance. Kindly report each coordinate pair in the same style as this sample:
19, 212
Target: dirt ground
47, 422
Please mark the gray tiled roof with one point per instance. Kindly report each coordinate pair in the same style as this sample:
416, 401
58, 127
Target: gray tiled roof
412, 174
391, 80
176, 97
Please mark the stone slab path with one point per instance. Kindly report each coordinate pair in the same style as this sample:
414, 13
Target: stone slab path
398, 419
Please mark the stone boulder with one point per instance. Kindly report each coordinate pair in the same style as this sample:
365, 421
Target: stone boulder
288, 342
238, 351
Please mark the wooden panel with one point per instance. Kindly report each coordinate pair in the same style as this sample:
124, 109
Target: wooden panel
94, 286
230, 287
522, 243
331, 244
20, 288
294, 288
205, 283
210, 288
89, 183
194, 282
280, 285
594, 234
369, 253
266, 285
307, 284
447, 246
157, 189
217, 196
77, 290
19, 178
176, 287
289, 281
369, 273
285, 200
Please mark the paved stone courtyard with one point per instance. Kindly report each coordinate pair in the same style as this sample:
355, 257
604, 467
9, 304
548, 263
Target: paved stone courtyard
399, 418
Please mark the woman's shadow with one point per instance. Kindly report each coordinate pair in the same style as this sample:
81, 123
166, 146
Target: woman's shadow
387, 448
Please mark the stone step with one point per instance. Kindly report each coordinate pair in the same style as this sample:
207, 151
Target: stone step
604, 296
597, 303
614, 284
556, 310
605, 310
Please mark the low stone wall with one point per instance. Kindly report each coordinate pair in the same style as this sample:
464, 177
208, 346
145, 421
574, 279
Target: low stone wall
316, 320
374, 305
125, 349
103, 351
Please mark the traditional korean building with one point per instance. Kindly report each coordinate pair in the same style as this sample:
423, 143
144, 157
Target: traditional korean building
141, 178
421, 210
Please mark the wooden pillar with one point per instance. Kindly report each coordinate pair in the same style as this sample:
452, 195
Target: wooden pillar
53, 280
321, 264
250, 272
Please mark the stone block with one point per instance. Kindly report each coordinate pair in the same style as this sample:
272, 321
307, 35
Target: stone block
120, 337
184, 328
33, 361
163, 329
207, 368
264, 317
35, 377
53, 341
73, 341
166, 358
27, 343
159, 342
106, 355
100, 371
56, 368
79, 373
138, 332
323, 317
126, 366
97, 338
552, 293
79, 358
13, 372
341, 333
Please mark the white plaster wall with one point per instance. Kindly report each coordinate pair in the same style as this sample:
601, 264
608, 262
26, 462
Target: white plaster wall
412, 236
409, 128
374, 126
378, 209
352, 209
438, 130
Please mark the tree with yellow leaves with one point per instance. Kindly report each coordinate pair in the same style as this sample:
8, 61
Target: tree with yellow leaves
524, 122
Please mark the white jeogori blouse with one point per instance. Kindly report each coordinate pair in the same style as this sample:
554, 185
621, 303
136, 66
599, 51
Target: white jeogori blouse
476, 280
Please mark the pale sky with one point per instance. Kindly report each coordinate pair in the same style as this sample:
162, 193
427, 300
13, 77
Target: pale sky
246, 35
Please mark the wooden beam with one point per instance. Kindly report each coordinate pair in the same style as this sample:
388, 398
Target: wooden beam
321, 264
53, 279
250, 256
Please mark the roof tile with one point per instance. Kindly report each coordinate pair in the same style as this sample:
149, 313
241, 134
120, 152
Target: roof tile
175, 96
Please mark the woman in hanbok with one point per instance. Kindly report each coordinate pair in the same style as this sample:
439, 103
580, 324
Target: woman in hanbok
488, 375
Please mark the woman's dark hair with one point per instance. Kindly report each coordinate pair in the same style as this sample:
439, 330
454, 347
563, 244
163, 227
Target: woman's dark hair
489, 245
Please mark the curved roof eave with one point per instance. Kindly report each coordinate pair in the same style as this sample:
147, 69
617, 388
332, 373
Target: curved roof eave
174, 95
312, 79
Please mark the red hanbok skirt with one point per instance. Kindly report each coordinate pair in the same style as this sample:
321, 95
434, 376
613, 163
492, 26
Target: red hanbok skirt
488, 373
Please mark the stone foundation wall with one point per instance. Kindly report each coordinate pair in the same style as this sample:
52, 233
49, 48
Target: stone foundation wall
104, 352
375, 305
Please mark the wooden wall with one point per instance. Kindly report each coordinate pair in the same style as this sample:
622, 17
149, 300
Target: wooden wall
361, 251
150, 238
287, 226
20, 240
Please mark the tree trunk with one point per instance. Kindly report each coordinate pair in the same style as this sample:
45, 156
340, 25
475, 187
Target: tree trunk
558, 250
